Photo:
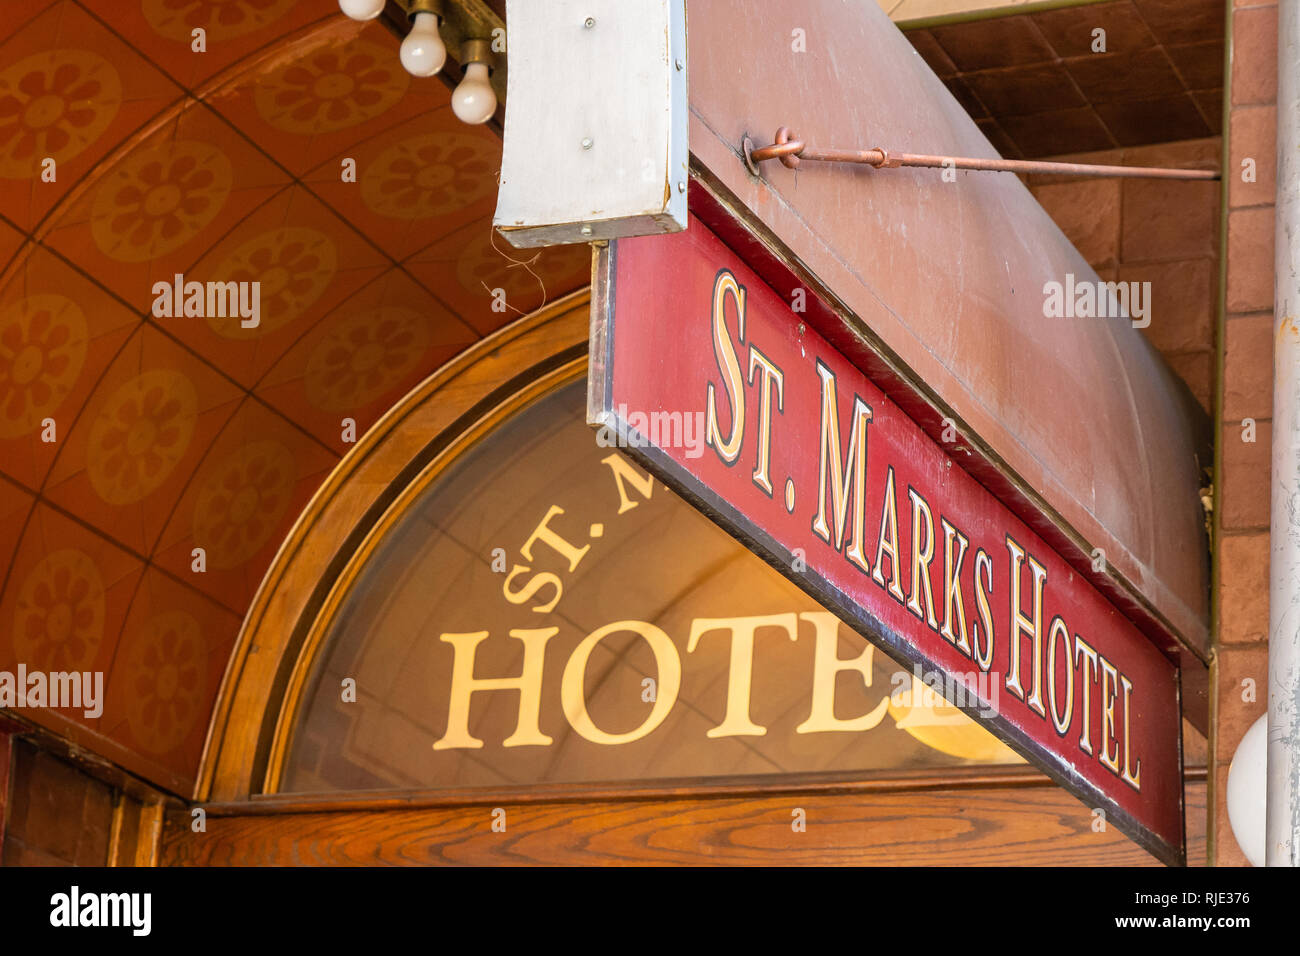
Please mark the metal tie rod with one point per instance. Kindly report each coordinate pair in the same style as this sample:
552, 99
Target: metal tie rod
790, 151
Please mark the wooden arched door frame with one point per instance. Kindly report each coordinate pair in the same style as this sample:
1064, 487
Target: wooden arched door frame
265, 664
995, 815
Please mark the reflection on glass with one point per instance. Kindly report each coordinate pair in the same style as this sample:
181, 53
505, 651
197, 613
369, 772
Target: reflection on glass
632, 641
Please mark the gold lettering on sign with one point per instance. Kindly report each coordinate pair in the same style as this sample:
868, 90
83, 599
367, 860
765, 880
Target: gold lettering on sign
1062, 721
534, 584
954, 604
771, 376
625, 474
573, 697
826, 665
543, 534
1134, 779
528, 683
1109, 681
921, 558
1021, 625
888, 541
842, 473
736, 723
724, 353
1087, 657
983, 574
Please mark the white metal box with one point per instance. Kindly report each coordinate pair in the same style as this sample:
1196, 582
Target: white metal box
596, 119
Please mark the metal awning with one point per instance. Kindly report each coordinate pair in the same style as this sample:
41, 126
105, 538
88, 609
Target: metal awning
1076, 422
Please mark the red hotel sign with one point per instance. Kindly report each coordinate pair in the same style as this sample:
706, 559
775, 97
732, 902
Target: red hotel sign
810, 464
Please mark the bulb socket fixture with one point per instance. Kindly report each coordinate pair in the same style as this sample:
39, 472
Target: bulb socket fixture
476, 50
436, 7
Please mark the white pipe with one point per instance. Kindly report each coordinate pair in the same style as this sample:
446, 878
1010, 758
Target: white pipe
1282, 824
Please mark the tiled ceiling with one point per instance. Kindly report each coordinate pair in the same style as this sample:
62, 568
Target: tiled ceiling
903, 10
1036, 88
172, 434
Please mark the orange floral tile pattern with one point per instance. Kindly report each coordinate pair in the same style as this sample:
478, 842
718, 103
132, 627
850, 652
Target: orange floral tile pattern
159, 199
331, 89
59, 621
179, 433
53, 105
162, 33
172, 654
221, 19
399, 333
353, 110
167, 661
188, 183
67, 593
242, 502
488, 282
70, 92
140, 435
430, 175
292, 265
417, 181
363, 355
295, 292
36, 273
42, 350
241, 499
488, 263
128, 456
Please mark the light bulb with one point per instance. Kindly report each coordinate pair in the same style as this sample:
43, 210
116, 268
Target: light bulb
1247, 784
362, 9
422, 51
473, 100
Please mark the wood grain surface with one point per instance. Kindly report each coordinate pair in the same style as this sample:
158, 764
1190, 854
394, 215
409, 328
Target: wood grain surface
1041, 826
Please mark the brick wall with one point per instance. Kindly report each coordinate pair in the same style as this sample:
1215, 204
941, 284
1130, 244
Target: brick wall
1168, 234
1246, 378
1144, 230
